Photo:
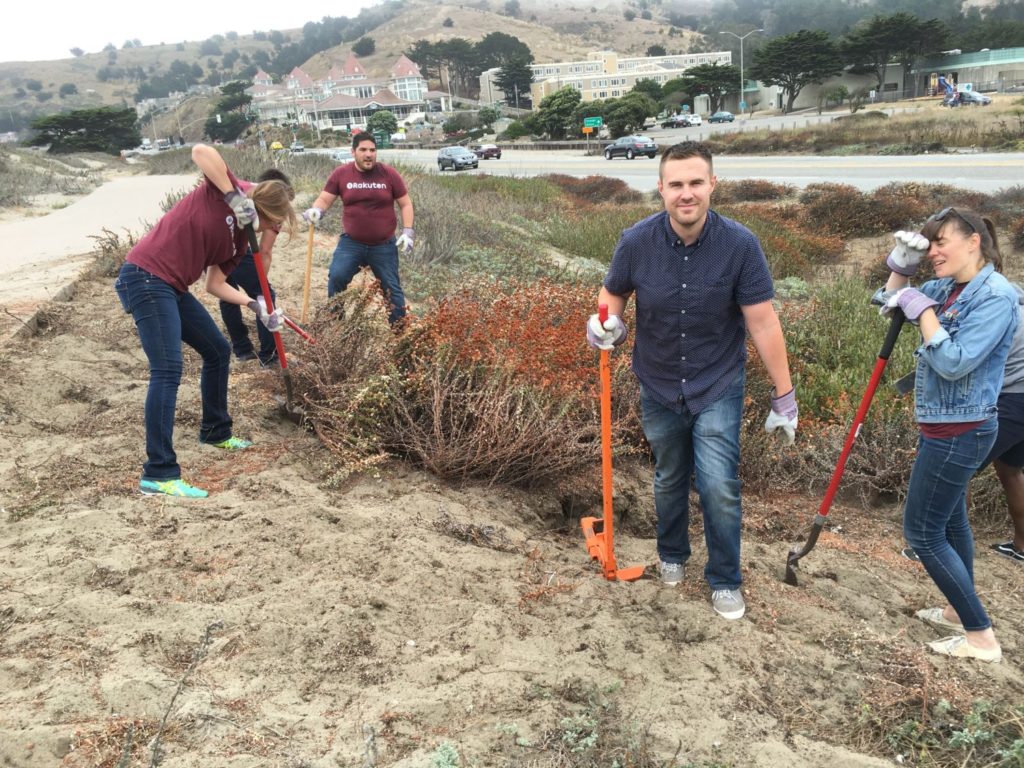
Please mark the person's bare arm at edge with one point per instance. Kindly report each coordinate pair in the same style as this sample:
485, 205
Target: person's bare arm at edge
209, 161
616, 304
324, 201
267, 239
405, 209
217, 285
766, 333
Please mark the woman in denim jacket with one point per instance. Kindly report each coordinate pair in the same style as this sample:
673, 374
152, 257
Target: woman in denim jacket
967, 317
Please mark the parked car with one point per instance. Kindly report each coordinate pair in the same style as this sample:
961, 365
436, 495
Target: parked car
722, 117
974, 99
696, 120
485, 151
631, 146
677, 121
297, 146
456, 158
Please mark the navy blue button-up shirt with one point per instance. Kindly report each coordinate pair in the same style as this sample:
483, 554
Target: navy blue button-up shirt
690, 337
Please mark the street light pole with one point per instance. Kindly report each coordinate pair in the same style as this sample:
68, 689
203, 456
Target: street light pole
742, 102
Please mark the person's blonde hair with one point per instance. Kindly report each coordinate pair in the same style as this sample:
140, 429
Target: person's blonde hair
273, 200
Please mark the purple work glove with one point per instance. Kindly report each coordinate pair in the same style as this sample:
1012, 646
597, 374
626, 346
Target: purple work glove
244, 208
607, 335
782, 418
272, 320
912, 302
907, 254
405, 240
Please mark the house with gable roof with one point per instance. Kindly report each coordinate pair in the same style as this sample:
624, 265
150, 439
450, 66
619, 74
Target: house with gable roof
346, 97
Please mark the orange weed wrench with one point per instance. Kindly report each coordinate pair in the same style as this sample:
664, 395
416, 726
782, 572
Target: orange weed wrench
601, 542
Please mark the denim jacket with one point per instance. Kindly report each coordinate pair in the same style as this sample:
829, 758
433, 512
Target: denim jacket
960, 370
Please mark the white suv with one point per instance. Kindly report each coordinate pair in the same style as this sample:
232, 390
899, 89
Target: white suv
695, 119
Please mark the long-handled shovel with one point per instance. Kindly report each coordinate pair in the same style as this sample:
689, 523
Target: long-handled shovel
601, 543
895, 325
309, 271
288, 407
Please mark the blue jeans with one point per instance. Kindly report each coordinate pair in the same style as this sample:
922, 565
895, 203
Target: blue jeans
245, 278
935, 516
166, 317
382, 260
707, 445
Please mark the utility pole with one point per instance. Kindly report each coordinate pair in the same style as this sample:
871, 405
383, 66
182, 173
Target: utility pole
742, 102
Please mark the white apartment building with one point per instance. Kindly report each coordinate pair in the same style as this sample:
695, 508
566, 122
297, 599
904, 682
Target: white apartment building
603, 74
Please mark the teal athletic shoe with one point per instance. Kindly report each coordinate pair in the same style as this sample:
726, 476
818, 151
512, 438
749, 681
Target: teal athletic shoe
175, 487
233, 444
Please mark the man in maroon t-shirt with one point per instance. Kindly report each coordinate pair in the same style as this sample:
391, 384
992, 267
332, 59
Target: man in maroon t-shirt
368, 192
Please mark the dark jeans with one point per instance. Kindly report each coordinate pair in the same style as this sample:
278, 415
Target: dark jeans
707, 445
935, 516
166, 317
382, 260
246, 278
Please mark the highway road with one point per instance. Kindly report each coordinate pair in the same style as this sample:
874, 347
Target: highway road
982, 172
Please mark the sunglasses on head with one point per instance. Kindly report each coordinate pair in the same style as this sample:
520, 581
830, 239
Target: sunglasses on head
945, 213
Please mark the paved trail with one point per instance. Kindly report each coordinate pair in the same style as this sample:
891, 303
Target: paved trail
44, 255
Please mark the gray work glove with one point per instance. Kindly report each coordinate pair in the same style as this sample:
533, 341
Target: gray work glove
312, 215
405, 240
272, 320
244, 208
910, 248
782, 418
607, 335
911, 301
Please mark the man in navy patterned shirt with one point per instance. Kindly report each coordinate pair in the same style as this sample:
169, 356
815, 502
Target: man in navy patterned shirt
701, 283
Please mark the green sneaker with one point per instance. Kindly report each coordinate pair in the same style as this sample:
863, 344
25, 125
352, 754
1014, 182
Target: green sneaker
233, 444
176, 487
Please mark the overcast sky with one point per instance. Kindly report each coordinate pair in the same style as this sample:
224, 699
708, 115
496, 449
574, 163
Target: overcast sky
30, 32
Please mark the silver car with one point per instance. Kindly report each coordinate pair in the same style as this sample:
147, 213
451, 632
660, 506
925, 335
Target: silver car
456, 158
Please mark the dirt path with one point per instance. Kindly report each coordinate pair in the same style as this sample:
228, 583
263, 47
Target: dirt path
300, 617
43, 255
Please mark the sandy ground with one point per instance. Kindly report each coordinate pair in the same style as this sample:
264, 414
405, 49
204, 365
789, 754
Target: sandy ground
389, 619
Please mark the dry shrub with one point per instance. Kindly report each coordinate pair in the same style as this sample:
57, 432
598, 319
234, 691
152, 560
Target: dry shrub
596, 189
839, 209
489, 386
111, 251
792, 249
1017, 233
750, 190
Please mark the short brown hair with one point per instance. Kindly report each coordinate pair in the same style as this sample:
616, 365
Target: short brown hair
967, 223
687, 149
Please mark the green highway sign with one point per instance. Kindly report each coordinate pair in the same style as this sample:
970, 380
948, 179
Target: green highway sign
593, 122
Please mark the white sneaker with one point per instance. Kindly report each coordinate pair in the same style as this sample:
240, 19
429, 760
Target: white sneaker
728, 603
671, 573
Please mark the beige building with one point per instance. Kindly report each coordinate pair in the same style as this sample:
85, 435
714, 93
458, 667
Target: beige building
602, 75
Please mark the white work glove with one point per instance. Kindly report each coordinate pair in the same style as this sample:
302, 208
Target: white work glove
911, 301
607, 335
910, 248
312, 215
272, 320
405, 240
782, 418
244, 208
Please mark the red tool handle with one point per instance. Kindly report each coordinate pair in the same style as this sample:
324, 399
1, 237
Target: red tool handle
602, 312
265, 287
295, 327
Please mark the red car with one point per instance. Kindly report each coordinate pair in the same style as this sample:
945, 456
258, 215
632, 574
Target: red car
487, 151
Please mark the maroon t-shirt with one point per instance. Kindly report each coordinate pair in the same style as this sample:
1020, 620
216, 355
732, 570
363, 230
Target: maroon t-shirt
198, 232
368, 201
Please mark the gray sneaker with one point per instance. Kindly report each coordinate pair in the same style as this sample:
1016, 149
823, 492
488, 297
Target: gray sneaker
671, 573
728, 603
